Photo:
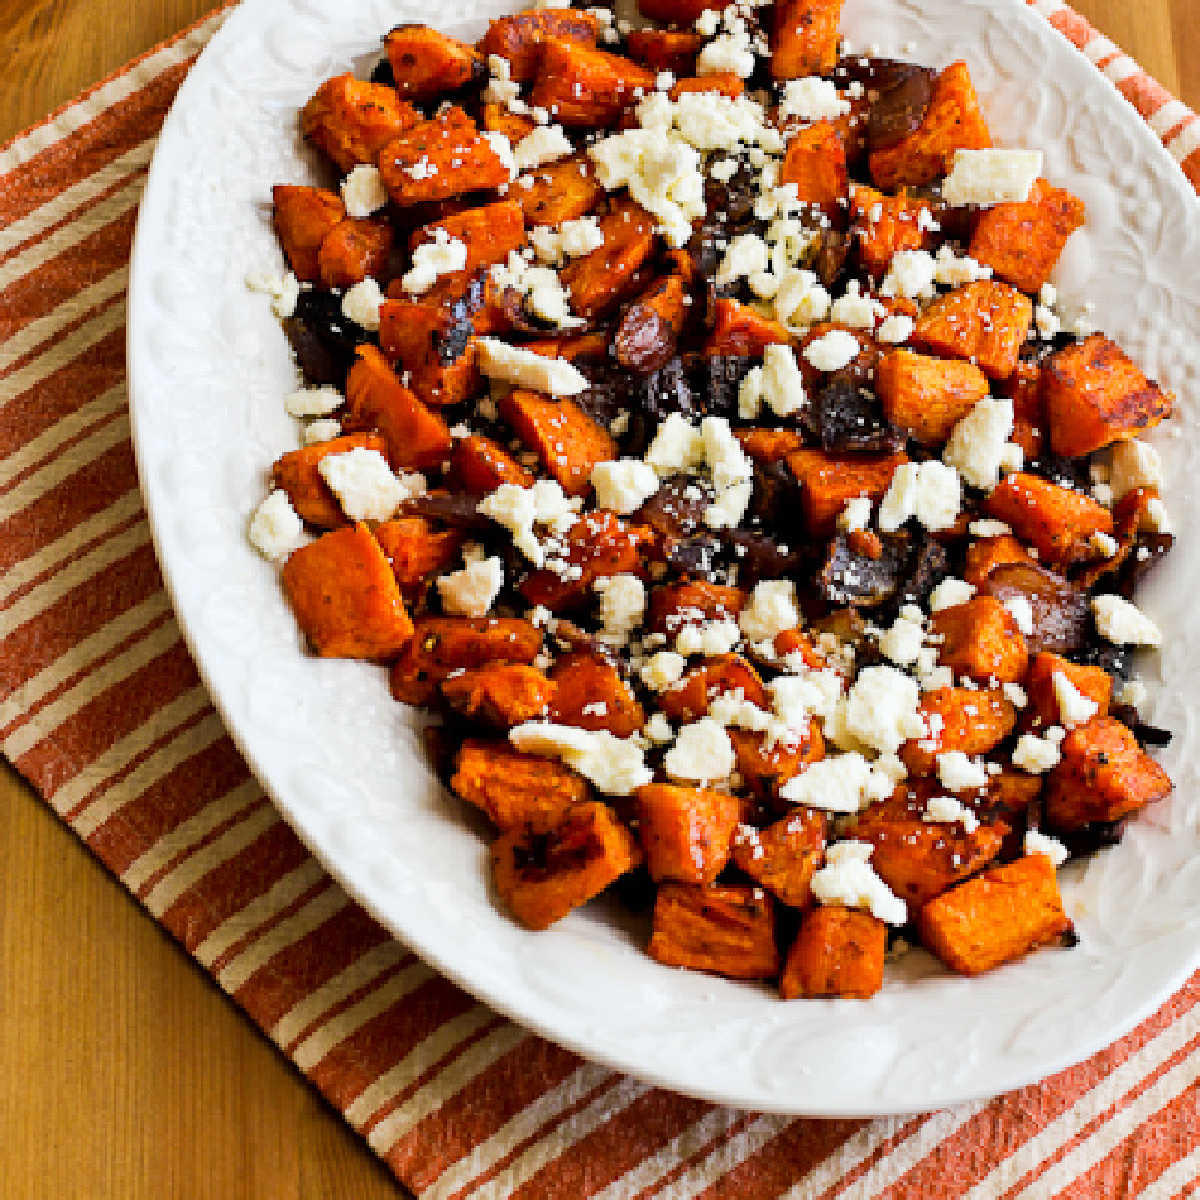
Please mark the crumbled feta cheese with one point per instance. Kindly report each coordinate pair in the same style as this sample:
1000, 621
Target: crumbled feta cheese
1047, 322
580, 236
856, 515
911, 274
658, 730
363, 192
953, 270
1134, 464
518, 509
275, 529
839, 783
364, 484
772, 608
782, 382
960, 773
976, 445
623, 485
362, 302
992, 176
1021, 611
1074, 708
901, 643
895, 329
882, 709
524, 368
502, 148
284, 291
746, 255
929, 491
731, 472
812, 99
949, 593
833, 350
707, 23
1132, 692
677, 446
324, 430
622, 605
661, 670
314, 402
728, 53
1104, 544
750, 394
548, 299
615, 765
797, 697
1037, 842
702, 752
708, 637
800, 300
543, 144
442, 256
1123, 623
988, 528
1015, 694
856, 310
950, 810
472, 591
848, 878
1037, 755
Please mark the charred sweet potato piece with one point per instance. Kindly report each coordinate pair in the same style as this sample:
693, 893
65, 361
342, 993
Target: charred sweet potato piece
583, 86
439, 159
769, 445
795, 641
885, 224
1022, 241
352, 250
649, 328
502, 694
767, 765
303, 217
726, 930
986, 322
688, 700
1094, 395
351, 120
1024, 388
480, 465
416, 550
434, 345
566, 439
1060, 609
838, 952
542, 874
1104, 775
496, 118
441, 645
741, 330
685, 832
375, 399
590, 693
815, 162
784, 856
519, 36
926, 397
725, 82
1056, 521
981, 640
689, 602
601, 279
488, 233
296, 473
515, 789
953, 121
345, 597
561, 191
1093, 682
967, 719
830, 480
805, 38
674, 12
426, 64
671, 50
599, 544
990, 552
996, 917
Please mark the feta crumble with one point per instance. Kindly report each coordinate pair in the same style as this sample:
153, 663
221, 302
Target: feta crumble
362, 302
958, 772
702, 752
472, 591
976, 445
833, 350
949, 810
615, 765
623, 485
772, 608
1123, 623
848, 878
991, 176
275, 528
430, 260
363, 192
364, 484
929, 491
1037, 842
313, 402
524, 368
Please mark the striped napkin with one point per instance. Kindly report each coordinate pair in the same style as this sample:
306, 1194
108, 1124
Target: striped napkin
102, 710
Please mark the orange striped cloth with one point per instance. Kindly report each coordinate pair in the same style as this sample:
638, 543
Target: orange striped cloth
102, 710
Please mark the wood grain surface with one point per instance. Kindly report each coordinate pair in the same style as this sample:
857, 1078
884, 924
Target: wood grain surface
124, 1071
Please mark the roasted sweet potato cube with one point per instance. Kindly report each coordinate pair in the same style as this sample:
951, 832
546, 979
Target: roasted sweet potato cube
769, 445
515, 789
831, 480
303, 216
674, 12
601, 279
885, 224
739, 329
352, 250
438, 159
989, 552
296, 473
1104, 775
766, 764
561, 191
688, 700
488, 233
685, 832
1022, 241
691, 601
565, 438
725, 82
600, 544
926, 397
1024, 388
573, 347
441, 645
1093, 682
815, 162
953, 121
351, 120
416, 550
519, 36
502, 694
671, 50
433, 344
995, 917
427, 64
805, 38
1056, 521
838, 952
981, 641
416, 437
587, 87
1094, 395
496, 118
345, 597
591, 694
795, 641
542, 874
968, 719
784, 856
480, 465
985, 322
726, 930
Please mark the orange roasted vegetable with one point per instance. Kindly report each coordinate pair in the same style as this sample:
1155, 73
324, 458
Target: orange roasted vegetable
416, 550
981, 640
665, 50
1058, 522
686, 832
784, 856
439, 159
541, 874
591, 694
502, 694
815, 162
1093, 682
480, 465
303, 216
806, 38
972, 720
427, 340
769, 445
519, 36
690, 602
989, 552
726, 930
488, 233
352, 250
985, 322
739, 329
582, 86
599, 544
885, 224
515, 789
561, 191
831, 480
725, 82
600, 280
926, 397
496, 118
427, 64
345, 597
838, 952
566, 439
296, 473
1023, 387
351, 120
766, 764
688, 700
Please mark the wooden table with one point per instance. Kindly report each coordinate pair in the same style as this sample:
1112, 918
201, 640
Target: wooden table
124, 1072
